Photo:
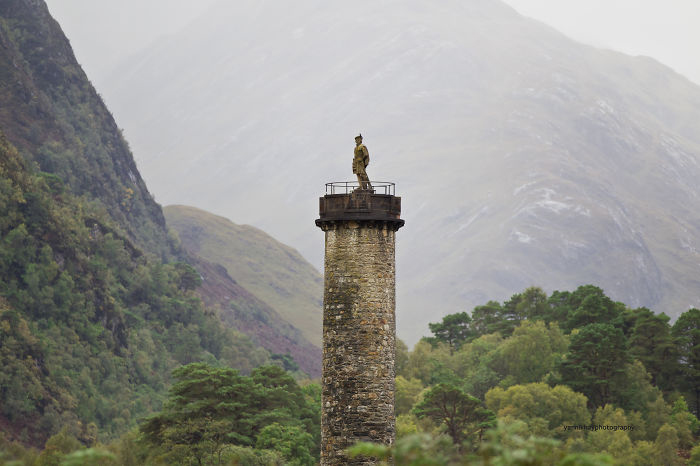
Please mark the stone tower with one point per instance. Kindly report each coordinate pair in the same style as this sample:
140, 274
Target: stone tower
359, 326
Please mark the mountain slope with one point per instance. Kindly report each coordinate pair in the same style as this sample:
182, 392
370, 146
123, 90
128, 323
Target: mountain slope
272, 271
96, 310
90, 329
241, 310
53, 115
523, 158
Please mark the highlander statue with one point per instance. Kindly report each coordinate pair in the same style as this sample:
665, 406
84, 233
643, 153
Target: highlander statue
360, 162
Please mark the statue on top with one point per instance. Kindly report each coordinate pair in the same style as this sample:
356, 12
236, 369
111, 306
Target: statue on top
360, 162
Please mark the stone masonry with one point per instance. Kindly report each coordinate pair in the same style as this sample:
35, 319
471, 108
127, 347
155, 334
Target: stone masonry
358, 325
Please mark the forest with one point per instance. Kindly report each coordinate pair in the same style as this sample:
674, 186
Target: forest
567, 378
91, 326
109, 357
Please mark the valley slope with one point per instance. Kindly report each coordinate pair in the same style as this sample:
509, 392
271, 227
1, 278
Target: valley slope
275, 273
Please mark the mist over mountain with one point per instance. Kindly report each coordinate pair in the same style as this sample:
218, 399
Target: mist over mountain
522, 157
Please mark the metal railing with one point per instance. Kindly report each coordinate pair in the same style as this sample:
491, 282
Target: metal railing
346, 187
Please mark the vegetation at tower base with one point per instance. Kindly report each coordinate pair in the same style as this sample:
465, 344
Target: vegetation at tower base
210, 410
572, 378
541, 418
212, 416
461, 413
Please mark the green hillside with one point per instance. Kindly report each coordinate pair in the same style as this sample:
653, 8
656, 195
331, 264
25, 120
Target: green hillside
272, 271
97, 306
90, 328
51, 113
239, 309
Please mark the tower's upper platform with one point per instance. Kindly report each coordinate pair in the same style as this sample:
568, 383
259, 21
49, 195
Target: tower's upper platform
346, 202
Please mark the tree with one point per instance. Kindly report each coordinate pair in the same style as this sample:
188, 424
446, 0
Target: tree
407, 392
416, 450
657, 414
513, 444
595, 362
429, 363
530, 304
187, 276
210, 409
684, 422
531, 352
616, 443
637, 392
57, 447
278, 398
666, 446
486, 318
89, 457
686, 332
455, 330
560, 306
534, 304
558, 406
651, 342
401, 362
694, 459
589, 305
479, 365
285, 361
292, 442
461, 413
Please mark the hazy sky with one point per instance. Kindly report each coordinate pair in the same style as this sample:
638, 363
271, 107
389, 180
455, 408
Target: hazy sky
668, 30
103, 32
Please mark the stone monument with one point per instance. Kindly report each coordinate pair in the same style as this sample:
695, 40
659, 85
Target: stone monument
359, 325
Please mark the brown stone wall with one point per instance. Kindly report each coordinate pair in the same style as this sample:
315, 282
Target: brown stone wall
358, 338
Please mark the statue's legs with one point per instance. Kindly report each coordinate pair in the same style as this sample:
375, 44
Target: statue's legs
363, 180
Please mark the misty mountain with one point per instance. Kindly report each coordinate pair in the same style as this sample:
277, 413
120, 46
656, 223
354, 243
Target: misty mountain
522, 157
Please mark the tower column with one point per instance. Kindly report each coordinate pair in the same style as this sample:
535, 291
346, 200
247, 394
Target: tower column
359, 324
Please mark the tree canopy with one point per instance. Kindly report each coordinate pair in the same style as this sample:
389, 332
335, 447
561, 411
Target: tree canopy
210, 409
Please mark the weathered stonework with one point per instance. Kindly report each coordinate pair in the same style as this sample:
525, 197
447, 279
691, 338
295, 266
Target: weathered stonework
358, 333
